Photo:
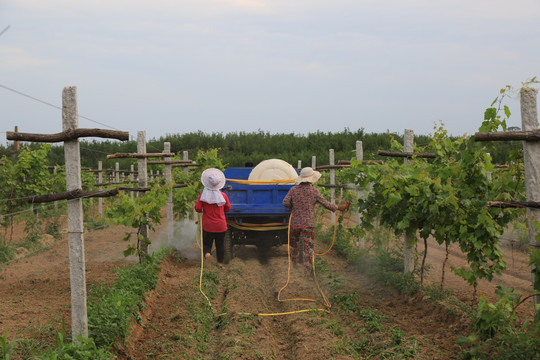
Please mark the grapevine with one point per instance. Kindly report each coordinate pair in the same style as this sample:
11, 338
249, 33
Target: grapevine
445, 198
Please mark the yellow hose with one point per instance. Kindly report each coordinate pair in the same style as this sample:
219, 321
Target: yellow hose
285, 313
200, 243
333, 239
260, 182
266, 227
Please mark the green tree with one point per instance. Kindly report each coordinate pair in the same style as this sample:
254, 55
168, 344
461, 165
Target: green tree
445, 198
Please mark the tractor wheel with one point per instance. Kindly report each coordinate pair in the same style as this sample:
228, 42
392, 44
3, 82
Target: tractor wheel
264, 245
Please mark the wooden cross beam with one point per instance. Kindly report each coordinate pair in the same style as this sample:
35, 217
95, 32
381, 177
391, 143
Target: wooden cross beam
405, 154
73, 194
138, 156
67, 135
170, 162
528, 135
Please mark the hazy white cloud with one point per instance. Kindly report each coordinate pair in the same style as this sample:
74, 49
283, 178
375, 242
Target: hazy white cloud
276, 65
17, 59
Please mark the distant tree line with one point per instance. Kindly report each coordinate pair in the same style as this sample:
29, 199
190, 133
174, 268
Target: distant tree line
239, 148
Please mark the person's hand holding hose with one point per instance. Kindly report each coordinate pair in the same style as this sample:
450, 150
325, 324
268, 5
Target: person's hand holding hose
343, 207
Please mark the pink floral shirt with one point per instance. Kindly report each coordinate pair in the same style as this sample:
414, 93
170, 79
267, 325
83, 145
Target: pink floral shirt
301, 199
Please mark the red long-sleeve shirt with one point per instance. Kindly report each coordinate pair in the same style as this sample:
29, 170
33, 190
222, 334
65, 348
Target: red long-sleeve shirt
213, 218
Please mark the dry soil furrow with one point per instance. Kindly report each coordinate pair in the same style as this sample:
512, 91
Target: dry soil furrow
248, 335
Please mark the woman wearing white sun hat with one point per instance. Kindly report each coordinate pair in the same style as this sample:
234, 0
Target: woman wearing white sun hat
213, 204
301, 199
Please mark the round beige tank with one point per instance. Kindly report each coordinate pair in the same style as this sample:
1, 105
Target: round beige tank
273, 169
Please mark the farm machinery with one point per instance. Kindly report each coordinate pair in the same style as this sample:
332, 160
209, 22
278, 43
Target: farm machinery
257, 215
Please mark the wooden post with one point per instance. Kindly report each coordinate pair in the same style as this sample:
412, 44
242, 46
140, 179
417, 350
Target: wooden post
313, 162
100, 181
359, 194
408, 244
143, 183
79, 317
168, 180
531, 159
332, 182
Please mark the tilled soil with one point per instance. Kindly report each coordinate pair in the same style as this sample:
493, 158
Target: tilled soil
366, 320
248, 321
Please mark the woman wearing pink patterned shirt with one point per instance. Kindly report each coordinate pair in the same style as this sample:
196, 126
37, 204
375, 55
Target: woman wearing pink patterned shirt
301, 199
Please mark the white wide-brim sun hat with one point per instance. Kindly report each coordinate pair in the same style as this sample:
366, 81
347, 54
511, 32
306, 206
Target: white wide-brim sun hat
213, 179
309, 175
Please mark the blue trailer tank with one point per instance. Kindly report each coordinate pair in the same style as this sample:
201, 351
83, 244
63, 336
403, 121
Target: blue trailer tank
259, 200
257, 215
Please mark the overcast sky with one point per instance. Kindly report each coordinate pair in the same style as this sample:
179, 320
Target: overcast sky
282, 66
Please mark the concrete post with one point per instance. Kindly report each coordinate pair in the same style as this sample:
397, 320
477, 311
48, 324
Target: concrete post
79, 316
131, 178
100, 181
359, 194
408, 244
185, 156
143, 182
56, 202
332, 182
16, 143
488, 174
168, 180
531, 160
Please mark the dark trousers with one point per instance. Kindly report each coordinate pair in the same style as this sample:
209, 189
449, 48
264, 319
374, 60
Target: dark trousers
208, 241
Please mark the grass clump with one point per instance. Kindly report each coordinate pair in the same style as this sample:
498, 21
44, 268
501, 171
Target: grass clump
52, 227
92, 223
83, 349
6, 253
